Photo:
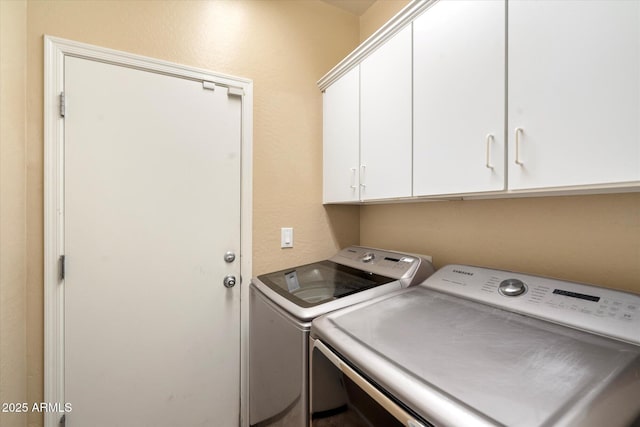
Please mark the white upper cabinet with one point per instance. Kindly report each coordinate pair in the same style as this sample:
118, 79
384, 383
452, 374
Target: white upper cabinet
385, 120
459, 98
341, 139
574, 93
487, 98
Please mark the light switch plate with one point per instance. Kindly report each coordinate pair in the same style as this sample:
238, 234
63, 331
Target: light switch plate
286, 237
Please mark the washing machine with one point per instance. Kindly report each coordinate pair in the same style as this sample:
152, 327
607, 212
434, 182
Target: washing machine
480, 347
282, 306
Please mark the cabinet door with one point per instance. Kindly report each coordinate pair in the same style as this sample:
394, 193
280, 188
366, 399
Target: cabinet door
385, 120
459, 98
341, 139
574, 92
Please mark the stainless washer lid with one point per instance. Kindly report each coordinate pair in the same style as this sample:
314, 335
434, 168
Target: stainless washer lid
455, 361
353, 275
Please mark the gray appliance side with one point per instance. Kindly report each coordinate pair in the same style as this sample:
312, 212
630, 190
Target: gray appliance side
278, 372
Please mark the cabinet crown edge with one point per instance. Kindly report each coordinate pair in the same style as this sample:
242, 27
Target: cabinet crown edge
388, 30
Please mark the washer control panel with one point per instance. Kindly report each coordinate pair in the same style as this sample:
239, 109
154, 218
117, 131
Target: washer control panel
601, 310
385, 263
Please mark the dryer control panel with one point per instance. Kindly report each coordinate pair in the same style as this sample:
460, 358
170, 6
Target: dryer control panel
601, 310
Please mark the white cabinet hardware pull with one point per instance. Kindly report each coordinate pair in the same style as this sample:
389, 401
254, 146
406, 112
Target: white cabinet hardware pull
362, 168
518, 132
353, 178
490, 139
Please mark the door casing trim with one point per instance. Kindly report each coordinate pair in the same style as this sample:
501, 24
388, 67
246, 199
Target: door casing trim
55, 50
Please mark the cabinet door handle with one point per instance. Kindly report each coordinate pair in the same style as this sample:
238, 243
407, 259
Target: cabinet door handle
490, 139
353, 178
362, 169
518, 132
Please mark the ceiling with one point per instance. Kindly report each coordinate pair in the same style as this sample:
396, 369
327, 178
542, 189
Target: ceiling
356, 7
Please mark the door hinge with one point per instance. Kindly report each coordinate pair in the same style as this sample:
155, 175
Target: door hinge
61, 267
236, 91
63, 420
62, 104
208, 85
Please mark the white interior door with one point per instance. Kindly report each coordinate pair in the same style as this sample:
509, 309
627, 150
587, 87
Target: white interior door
152, 203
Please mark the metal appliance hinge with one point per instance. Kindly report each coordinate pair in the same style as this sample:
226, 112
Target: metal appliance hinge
62, 104
61, 267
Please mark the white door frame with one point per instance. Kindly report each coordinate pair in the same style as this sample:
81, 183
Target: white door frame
55, 50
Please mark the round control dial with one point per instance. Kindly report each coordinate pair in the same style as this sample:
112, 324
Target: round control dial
368, 257
512, 287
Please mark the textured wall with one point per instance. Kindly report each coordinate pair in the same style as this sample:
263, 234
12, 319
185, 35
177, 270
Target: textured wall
379, 13
283, 46
13, 350
593, 239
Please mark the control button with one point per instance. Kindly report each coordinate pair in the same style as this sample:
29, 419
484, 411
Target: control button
512, 287
368, 257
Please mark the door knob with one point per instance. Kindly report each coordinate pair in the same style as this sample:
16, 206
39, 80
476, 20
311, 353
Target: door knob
229, 281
